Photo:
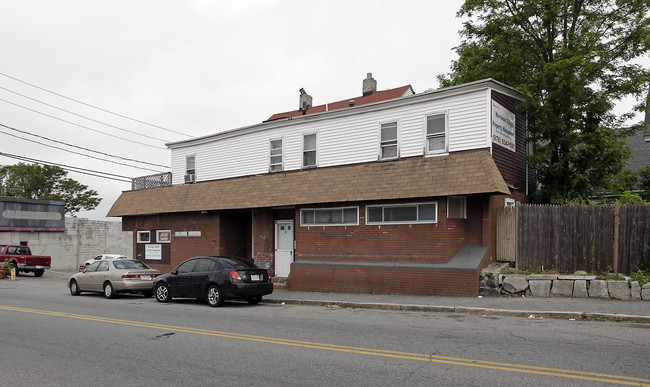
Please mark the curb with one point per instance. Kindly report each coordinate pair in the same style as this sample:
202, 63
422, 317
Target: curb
468, 310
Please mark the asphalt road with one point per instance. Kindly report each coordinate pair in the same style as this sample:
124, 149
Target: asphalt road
51, 338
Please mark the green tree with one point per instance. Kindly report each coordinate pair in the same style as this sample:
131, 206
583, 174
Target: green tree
644, 182
574, 60
32, 181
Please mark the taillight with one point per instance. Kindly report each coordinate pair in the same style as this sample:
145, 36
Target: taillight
234, 275
130, 276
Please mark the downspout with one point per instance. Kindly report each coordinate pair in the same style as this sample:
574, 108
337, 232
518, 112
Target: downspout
253, 235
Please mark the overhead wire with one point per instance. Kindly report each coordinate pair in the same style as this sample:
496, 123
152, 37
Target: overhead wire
79, 125
85, 171
86, 149
82, 116
77, 153
92, 106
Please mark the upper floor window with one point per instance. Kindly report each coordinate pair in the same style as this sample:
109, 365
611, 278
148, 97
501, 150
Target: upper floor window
309, 150
402, 213
457, 207
190, 165
275, 163
436, 133
341, 216
388, 144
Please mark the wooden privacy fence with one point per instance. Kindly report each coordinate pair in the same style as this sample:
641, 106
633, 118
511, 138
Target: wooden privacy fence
570, 238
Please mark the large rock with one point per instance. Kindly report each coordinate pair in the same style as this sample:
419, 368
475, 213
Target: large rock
562, 288
645, 292
540, 288
580, 289
598, 289
619, 290
635, 290
515, 283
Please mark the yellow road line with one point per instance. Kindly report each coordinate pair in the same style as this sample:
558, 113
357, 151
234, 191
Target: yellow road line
357, 350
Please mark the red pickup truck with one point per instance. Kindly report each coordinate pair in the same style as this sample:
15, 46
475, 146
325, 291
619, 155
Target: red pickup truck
23, 260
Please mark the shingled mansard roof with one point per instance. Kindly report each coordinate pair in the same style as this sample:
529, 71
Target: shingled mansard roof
460, 173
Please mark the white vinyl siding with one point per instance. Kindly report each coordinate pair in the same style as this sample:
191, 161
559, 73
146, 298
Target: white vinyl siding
342, 139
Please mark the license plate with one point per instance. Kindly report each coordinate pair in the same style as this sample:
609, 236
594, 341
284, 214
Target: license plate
255, 277
145, 277
39, 267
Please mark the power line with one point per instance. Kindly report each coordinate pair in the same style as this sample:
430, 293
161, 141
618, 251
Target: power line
94, 107
82, 116
86, 149
81, 126
89, 172
77, 153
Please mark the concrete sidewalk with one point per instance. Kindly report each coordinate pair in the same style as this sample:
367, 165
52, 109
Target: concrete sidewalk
555, 307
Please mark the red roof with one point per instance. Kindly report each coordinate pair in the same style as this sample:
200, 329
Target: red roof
376, 96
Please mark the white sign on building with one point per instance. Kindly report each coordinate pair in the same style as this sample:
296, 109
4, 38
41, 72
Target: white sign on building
153, 251
503, 126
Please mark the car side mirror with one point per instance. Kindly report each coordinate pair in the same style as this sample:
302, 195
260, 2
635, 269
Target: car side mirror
174, 272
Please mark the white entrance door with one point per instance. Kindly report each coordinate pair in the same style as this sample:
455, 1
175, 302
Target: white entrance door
283, 247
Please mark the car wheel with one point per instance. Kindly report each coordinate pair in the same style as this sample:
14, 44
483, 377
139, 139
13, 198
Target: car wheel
162, 293
109, 291
254, 300
214, 296
147, 293
37, 273
74, 288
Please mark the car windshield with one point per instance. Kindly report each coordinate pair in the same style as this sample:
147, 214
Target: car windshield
125, 265
229, 263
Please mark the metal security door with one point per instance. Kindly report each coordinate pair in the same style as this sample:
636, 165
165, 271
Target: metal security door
283, 247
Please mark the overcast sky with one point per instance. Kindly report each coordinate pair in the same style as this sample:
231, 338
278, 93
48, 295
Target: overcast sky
195, 68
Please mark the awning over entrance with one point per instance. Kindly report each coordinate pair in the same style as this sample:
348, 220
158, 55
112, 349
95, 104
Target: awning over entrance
459, 173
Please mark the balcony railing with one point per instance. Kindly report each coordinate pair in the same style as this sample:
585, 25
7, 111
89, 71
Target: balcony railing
152, 181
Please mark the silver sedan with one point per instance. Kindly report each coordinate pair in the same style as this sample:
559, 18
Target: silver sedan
114, 276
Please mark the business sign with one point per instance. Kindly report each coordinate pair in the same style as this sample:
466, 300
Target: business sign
503, 126
152, 251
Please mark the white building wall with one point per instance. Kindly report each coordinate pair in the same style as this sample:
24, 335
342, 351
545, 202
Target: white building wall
346, 139
82, 240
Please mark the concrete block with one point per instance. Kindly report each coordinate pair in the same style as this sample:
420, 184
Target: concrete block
580, 289
540, 288
645, 292
541, 277
515, 283
562, 288
598, 289
619, 290
635, 290
576, 277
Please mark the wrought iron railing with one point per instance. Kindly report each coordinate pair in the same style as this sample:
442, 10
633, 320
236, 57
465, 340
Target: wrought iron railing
151, 181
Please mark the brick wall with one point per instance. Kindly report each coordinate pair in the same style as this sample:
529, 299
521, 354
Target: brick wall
384, 281
430, 243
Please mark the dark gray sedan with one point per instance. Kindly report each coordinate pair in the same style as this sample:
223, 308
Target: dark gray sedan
214, 279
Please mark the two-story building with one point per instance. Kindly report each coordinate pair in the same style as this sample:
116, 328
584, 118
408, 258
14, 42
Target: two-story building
388, 192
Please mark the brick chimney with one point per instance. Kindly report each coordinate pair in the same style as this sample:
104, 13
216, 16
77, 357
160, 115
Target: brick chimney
369, 85
304, 102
